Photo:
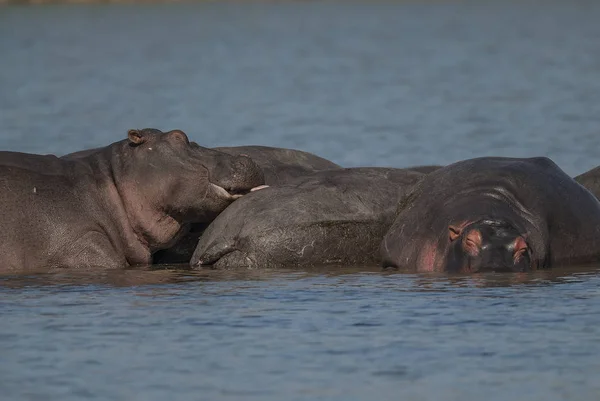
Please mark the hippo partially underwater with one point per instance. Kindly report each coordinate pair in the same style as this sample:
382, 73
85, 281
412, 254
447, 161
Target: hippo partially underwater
494, 214
279, 165
114, 206
330, 217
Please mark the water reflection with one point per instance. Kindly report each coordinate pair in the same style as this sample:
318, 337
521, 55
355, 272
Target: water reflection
131, 277
489, 280
330, 276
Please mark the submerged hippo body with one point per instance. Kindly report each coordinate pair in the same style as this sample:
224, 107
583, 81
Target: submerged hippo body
591, 181
498, 214
330, 217
116, 205
279, 165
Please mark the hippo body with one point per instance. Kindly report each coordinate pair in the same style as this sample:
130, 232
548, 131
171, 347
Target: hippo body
330, 217
115, 206
591, 181
499, 214
279, 165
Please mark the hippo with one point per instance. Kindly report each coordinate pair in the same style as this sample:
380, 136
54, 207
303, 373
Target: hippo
494, 214
113, 207
591, 181
333, 217
279, 165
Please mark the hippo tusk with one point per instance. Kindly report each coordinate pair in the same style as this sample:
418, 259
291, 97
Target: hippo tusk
237, 196
220, 191
225, 194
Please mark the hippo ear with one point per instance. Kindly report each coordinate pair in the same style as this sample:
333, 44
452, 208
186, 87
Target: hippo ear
454, 232
136, 137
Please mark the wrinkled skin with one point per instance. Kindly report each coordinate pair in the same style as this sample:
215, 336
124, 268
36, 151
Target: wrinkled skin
335, 217
115, 206
280, 166
591, 181
494, 214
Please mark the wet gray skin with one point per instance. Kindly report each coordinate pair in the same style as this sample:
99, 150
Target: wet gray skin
335, 217
494, 214
114, 206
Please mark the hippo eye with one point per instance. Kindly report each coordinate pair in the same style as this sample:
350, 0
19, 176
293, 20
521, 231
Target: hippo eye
179, 136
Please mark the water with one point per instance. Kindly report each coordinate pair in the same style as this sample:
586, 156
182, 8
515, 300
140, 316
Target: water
140, 335
361, 83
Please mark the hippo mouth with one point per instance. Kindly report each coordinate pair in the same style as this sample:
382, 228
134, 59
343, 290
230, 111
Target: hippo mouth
234, 194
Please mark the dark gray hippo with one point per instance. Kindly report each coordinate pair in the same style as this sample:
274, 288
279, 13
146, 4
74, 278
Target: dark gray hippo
330, 217
115, 206
279, 165
591, 181
496, 214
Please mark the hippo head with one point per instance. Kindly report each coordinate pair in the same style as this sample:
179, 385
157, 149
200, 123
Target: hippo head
487, 245
188, 182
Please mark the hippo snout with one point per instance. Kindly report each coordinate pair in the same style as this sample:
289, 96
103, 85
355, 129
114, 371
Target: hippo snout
239, 175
